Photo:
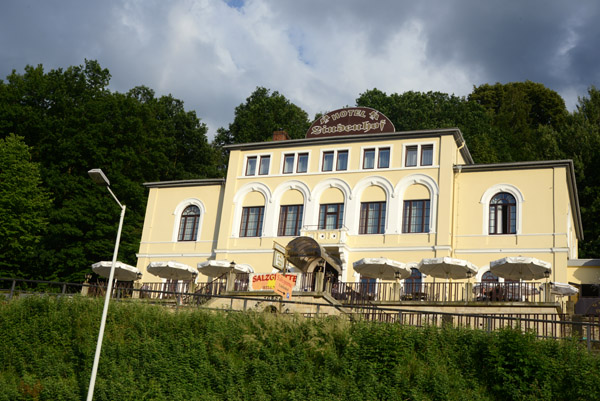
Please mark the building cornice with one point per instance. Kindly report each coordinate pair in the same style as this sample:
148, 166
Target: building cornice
185, 183
458, 137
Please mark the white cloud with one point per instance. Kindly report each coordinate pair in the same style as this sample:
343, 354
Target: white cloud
319, 54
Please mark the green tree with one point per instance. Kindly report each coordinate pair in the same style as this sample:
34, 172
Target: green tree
263, 113
24, 206
581, 142
432, 110
73, 123
527, 115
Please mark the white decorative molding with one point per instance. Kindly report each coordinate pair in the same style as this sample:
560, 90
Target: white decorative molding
434, 192
238, 200
179, 210
353, 206
487, 197
311, 212
273, 217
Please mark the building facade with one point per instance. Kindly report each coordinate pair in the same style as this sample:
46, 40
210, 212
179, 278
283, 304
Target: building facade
362, 190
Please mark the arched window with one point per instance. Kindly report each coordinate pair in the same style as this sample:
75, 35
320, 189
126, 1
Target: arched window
489, 277
188, 225
503, 214
412, 285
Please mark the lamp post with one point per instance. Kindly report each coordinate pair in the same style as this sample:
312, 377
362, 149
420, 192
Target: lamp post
99, 178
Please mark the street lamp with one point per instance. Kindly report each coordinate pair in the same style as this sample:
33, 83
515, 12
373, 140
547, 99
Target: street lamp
99, 178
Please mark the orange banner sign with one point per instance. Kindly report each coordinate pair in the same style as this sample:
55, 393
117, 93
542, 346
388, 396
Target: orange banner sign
267, 281
284, 286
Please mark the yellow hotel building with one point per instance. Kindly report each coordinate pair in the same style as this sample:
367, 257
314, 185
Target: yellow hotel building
362, 190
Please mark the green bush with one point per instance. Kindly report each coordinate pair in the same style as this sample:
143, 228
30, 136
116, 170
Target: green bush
154, 353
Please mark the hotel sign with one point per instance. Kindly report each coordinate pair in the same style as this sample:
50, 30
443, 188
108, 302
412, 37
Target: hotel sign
350, 121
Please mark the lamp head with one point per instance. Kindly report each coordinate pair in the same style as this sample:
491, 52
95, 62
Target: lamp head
97, 175
232, 264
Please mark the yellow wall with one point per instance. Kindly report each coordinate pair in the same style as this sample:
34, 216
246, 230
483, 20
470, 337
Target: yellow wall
458, 228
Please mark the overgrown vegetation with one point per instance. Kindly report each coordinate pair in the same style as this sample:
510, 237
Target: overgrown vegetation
151, 353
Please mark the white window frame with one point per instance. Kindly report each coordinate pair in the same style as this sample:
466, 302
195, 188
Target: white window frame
485, 203
295, 165
376, 161
178, 212
257, 169
419, 154
335, 156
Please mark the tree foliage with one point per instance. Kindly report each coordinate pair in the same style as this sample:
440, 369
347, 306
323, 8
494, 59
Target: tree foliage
24, 205
263, 113
432, 110
73, 123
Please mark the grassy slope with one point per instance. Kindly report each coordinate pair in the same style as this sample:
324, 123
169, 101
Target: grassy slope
150, 353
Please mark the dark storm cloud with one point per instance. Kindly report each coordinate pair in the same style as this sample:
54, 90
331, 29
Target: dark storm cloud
552, 42
54, 33
320, 54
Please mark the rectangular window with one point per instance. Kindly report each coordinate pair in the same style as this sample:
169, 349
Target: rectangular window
288, 164
290, 220
265, 161
331, 216
252, 220
411, 156
372, 218
251, 166
342, 160
302, 163
384, 158
327, 161
426, 155
416, 216
369, 159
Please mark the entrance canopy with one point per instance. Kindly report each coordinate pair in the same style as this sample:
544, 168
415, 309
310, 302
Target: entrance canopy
302, 251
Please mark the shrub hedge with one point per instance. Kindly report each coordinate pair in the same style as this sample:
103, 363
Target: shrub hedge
153, 353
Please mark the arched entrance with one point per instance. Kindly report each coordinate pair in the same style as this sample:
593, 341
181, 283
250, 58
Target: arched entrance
311, 258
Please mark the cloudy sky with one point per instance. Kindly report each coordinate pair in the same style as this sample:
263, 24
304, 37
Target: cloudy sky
320, 54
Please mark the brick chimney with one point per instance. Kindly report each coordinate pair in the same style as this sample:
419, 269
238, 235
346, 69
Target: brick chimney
280, 135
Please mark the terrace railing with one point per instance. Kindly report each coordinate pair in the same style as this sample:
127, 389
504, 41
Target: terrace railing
352, 293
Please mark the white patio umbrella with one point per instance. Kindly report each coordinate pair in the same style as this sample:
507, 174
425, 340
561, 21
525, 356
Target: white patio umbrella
216, 268
172, 270
520, 268
562, 289
447, 267
382, 268
123, 272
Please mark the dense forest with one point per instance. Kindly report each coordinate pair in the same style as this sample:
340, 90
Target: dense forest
56, 125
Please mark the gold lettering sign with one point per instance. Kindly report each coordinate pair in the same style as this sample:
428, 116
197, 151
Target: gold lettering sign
350, 121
